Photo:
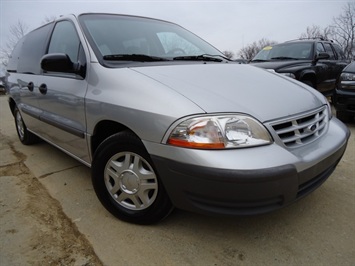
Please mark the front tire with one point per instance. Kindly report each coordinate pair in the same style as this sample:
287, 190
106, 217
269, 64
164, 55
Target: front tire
126, 182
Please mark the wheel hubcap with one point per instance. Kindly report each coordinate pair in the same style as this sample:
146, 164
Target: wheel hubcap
131, 181
20, 125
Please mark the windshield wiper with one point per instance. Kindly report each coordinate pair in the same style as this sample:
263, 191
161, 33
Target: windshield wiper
202, 57
133, 57
284, 58
259, 60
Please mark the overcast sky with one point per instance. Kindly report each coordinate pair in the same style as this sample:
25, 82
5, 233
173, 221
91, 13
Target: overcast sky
228, 25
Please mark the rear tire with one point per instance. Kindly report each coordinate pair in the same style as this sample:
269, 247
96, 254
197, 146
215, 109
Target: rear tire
126, 182
24, 135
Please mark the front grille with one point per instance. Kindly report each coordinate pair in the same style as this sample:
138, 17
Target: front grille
302, 129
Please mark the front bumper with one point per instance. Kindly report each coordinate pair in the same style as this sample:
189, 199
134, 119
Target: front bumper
263, 179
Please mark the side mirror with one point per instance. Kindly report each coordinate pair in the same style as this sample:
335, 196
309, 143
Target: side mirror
322, 55
60, 63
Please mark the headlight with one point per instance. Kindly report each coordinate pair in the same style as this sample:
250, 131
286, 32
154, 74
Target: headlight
219, 132
347, 77
291, 75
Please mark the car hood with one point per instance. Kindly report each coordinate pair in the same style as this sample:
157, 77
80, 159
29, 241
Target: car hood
350, 68
279, 64
217, 88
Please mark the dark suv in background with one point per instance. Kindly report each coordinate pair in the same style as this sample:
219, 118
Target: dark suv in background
344, 96
316, 62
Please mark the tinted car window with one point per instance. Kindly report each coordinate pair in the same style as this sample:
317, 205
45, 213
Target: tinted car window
339, 52
320, 47
65, 40
15, 56
32, 48
300, 50
329, 50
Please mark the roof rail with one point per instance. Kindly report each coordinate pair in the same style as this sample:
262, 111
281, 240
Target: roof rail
321, 38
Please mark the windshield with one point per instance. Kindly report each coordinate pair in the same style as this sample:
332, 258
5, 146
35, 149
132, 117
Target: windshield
115, 36
285, 51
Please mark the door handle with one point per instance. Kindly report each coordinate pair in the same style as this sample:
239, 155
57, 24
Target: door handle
43, 88
30, 86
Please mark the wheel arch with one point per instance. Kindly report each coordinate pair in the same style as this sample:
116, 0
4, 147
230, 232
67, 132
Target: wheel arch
12, 105
309, 76
103, 130
126, 181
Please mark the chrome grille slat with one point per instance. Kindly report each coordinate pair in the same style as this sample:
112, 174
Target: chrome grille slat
295, 138
302, 129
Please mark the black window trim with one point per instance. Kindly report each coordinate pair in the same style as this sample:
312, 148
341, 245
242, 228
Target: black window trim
81, 47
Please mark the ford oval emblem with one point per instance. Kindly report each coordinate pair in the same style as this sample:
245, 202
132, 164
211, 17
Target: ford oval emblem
312, 128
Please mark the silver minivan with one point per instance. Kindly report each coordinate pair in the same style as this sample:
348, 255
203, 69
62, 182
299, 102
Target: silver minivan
165, 120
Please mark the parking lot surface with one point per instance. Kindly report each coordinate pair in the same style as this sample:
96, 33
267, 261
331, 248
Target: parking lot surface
50, 215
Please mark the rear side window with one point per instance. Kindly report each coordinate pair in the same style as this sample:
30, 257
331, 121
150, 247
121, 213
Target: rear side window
28, 52
15, 56
339, 51
65, 40
320, 47
329, 50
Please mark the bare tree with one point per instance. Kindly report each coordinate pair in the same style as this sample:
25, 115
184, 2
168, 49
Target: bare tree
228, 54
249, 51
344, 29
17, 31
317, 32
